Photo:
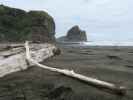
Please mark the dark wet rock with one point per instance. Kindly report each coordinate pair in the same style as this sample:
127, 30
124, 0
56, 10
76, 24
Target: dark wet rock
18, 25
60, 93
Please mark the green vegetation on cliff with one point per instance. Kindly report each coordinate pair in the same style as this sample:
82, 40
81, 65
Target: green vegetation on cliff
17, 25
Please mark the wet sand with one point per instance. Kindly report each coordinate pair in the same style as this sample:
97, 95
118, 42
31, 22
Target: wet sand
111, 64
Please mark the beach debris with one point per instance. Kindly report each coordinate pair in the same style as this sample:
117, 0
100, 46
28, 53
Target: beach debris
120, 90
13, 58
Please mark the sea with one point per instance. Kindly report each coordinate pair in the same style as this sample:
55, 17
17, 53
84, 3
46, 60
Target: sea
100, 43
108, 43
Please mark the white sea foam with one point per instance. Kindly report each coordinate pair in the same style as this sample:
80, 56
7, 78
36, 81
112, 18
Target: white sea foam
107, 43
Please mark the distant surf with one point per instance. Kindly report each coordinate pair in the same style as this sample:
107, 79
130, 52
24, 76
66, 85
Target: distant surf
108, 43
100, 43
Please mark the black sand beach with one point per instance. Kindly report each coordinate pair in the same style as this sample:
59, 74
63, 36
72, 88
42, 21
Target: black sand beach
111, 64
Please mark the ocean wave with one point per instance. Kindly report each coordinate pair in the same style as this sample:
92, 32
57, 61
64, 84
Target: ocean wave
107, 43
100, 43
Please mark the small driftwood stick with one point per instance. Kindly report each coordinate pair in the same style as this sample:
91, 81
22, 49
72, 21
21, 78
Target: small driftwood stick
98, 83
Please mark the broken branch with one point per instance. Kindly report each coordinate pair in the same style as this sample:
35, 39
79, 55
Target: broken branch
110, 86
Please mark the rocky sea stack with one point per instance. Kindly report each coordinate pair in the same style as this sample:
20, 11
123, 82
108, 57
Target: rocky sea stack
75, 34
18, 25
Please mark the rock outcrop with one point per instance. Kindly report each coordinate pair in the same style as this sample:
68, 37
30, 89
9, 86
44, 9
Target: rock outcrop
75, 34
18, 25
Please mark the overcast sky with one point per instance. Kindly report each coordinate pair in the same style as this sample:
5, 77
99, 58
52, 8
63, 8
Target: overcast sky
102, 19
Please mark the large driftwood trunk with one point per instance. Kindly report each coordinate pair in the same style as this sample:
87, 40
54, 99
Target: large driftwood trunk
95, 82
13, 57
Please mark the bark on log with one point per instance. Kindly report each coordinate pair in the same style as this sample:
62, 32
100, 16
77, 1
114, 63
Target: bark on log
98, 83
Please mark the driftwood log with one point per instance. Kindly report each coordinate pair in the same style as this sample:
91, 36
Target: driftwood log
13, 57
98, 83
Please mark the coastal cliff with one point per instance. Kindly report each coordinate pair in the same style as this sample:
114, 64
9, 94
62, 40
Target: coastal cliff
18, 25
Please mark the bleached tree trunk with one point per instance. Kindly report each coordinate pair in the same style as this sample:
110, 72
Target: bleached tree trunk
98, 83
13, 59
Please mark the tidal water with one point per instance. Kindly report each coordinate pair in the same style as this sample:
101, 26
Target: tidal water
100, 43
108, 43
